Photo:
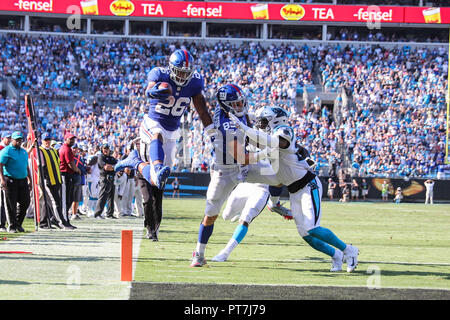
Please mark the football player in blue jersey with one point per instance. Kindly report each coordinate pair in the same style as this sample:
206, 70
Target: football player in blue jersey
159, 129
305, 188
232, 165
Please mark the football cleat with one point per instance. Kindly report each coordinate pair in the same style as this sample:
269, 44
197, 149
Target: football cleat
221, 257
351, 257
336, 262
282, 211
151, 236
197, 260
159, 175
132, 161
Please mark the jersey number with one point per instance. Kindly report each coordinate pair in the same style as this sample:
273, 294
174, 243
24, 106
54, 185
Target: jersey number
172, 107
228, 126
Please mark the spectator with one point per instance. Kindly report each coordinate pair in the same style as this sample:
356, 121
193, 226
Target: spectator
176, 188
139, 201
15, 182
384, 191
331, 188
345, 194
429, 185
93, 180
106, 164
68, 169
120, 181
6, 140
84, 209
129, 191
78, 181
355, 190
364, 189
398, 195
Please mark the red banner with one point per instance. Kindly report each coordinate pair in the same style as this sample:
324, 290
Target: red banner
233, 10
427, 15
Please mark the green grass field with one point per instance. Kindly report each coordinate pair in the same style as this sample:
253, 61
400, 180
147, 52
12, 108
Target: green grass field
405, 251
408, 245
28, 225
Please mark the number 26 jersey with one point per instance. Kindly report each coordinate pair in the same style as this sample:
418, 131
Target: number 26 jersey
168, 111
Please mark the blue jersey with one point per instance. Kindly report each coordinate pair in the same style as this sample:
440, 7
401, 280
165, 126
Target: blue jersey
168, 112
228, 132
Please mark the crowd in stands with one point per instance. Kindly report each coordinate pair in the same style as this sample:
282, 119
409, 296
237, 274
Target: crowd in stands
396, 93
387, 35
397, 125
45, 66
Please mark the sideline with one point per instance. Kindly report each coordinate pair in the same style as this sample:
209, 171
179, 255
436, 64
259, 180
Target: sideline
65, 265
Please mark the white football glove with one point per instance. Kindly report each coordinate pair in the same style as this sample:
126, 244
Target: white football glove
211, 131
235, 120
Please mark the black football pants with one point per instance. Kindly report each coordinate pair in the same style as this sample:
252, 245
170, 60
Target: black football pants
106, 196
152, 197
17, 192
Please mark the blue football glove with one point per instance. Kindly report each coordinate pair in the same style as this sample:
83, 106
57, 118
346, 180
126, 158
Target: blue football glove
155, 93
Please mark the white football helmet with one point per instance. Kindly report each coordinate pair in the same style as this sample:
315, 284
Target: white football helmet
268, 118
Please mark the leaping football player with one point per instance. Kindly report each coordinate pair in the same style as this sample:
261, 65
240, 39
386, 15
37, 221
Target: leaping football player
305, 188
170, 91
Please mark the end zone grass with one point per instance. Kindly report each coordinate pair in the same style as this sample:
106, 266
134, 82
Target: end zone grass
407, 245
28, 225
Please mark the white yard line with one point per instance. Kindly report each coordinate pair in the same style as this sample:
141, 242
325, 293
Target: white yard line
79, 264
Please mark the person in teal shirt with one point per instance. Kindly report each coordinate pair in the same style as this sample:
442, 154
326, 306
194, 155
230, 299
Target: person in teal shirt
14, 182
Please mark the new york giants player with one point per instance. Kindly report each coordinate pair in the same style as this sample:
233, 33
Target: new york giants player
159, 130
232, 164
305, 189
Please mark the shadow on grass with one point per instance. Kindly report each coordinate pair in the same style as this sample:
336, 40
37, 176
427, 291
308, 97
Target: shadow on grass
55, 258
277, 265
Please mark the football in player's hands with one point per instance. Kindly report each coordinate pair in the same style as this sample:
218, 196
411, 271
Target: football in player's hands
159, 91
166, 86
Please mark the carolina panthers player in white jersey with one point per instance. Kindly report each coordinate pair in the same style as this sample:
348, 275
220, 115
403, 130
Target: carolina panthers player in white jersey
159, 130
305, 189
232, 165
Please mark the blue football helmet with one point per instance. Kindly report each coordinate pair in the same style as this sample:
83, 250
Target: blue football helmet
268, 118
231, 99
181, 66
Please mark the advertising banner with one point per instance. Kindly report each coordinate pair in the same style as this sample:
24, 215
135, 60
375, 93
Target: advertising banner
233, 10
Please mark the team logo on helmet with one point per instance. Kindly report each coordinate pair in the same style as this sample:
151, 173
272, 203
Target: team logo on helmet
268, 118
231, 99
181, 66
